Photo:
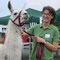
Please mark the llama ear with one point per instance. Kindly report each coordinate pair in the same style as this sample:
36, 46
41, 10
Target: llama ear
10, 7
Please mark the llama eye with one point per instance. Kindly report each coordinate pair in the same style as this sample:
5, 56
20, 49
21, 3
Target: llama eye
25, 13
15, 13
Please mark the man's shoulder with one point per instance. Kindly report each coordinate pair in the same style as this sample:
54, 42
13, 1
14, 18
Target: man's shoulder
54, 27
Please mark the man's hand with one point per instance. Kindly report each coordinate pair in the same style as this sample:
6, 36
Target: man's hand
39, 39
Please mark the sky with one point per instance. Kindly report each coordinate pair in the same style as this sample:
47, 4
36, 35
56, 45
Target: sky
34, 4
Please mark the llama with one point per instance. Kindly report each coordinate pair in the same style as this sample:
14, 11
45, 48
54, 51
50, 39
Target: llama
12, 48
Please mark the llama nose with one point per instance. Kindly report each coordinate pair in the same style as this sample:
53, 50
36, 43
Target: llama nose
26, 17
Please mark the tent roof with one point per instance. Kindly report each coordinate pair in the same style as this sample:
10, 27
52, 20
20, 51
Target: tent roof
34, 16
33, 12
58, 15
4, 20
58, 11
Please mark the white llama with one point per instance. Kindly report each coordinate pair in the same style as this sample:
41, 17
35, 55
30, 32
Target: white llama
12, 48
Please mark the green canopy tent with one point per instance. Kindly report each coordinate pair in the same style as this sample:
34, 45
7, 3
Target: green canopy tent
4, 20
57, 23
58, 15
33, 12
34, 16
33, 19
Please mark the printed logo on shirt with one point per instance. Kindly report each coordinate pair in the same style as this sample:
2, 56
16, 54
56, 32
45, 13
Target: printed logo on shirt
47, 35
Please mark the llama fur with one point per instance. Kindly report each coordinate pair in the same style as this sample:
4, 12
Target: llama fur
13, 45
12, 48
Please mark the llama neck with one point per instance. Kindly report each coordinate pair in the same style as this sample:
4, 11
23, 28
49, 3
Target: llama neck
13, 33
13, 43
13, 27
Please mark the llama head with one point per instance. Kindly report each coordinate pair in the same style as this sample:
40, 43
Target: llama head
18, 17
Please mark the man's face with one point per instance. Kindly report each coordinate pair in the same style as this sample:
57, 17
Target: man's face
47, 16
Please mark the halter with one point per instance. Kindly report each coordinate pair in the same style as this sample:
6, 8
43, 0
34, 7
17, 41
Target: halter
18, 17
